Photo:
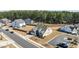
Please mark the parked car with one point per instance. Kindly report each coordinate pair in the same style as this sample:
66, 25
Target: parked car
12, 32
7, 29
10, 26
62, 45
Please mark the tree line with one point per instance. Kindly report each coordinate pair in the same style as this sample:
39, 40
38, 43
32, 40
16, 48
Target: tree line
57, 17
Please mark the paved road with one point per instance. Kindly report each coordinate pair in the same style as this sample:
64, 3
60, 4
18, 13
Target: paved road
19, 40
58, 39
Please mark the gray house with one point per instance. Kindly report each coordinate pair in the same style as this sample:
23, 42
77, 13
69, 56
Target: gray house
41, 30
69, 29
29, 21
5, 21
77, 25
18, 23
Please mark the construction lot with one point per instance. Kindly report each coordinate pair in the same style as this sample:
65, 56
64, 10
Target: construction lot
46, 39
42, 41
49, 41
28, 28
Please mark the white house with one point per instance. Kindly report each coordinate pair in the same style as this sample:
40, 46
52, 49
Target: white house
47, 32
41, 30
18, 23
69, 28
29, 21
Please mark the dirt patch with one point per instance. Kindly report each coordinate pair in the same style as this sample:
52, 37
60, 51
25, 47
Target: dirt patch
20, 32
27, 28
45, 41
9, 46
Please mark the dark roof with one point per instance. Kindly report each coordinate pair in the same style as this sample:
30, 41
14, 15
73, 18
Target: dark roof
41, 26
19, 21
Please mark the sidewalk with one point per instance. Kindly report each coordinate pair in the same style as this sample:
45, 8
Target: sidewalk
27, 38
11, 41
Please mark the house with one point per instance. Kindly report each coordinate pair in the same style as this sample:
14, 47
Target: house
41, 30
18, 23
1, 24
77, 25
5, 21
29, 21
69, 29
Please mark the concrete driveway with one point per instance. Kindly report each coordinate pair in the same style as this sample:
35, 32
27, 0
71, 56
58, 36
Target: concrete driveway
58, 39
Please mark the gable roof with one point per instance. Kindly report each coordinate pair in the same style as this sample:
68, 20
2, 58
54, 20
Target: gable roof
72, 28
19, 21
76, 25
41, 26
40, 30
5, 19
28, 19
68, 28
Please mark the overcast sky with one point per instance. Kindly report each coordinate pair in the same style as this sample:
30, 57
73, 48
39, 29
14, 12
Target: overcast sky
39, 5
